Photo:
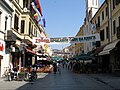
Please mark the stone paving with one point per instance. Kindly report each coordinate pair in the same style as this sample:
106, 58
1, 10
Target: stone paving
67, 80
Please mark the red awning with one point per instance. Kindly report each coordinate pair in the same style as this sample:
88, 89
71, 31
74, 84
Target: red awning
31, 52
99, 49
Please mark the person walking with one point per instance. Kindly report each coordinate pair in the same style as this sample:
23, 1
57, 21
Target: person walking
54, 67
59, 67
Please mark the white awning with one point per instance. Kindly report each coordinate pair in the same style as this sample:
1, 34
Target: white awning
108, 48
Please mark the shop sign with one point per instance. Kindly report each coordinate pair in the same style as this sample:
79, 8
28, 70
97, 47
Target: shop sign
2, 46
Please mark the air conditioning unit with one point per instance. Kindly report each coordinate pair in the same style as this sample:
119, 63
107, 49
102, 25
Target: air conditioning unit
25, 9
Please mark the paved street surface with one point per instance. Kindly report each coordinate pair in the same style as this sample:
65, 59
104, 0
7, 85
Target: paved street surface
67, 80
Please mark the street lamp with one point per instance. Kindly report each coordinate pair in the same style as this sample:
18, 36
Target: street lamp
23, 47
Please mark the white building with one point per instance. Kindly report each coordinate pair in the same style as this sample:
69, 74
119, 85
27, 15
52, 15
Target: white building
5, 24
91, 8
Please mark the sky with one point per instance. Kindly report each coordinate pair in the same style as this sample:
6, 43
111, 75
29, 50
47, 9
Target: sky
63, 17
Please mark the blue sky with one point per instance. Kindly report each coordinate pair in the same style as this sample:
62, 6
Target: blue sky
63, 17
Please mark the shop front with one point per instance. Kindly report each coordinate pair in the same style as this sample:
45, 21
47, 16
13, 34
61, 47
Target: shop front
30, 58
110, 56
2, 53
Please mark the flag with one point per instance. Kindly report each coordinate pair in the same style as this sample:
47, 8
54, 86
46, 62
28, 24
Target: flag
38, 20
36, 15
38, 6
36, 10
44, 22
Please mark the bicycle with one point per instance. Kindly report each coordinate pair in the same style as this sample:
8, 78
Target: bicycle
5, 72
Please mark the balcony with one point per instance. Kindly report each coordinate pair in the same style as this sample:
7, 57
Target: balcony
11, 37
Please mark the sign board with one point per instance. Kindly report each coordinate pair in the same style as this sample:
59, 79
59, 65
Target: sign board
2, 46
67, 40
39, 40
87, 38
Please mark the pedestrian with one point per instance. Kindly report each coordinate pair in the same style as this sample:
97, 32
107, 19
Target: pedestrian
54, 67
59, 67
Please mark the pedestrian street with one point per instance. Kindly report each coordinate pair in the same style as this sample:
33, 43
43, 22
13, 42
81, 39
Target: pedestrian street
67, 80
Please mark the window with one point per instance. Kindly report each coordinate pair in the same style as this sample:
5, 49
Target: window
114, 26
113, 4
117, 2
92, 2
6, 22
16, 20
25, 3
31, 31
35, 31
17, 1
99, 21
119, 20
102, 35
107, 32
103, 15
106, 11
29, 28
0, 21
96, 2
22, 26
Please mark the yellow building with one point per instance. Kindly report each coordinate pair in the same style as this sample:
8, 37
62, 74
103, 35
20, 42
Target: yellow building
107, 21
79, 46
19, 38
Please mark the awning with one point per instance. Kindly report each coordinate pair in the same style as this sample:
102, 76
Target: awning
99, 49
83, 57
108, 48
30, 51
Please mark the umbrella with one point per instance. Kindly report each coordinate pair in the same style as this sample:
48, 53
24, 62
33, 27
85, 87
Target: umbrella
56, 58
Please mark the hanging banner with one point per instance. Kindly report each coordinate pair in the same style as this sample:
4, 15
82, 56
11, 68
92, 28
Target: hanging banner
40, 40
61, 40
67, 40
87, 38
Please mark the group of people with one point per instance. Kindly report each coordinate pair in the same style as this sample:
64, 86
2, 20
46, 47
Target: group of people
57, 67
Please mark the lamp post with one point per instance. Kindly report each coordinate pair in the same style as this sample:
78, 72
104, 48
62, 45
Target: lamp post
23, 47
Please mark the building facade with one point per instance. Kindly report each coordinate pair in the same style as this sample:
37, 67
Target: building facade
91, 8
5, 24
17, 32
107, 20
